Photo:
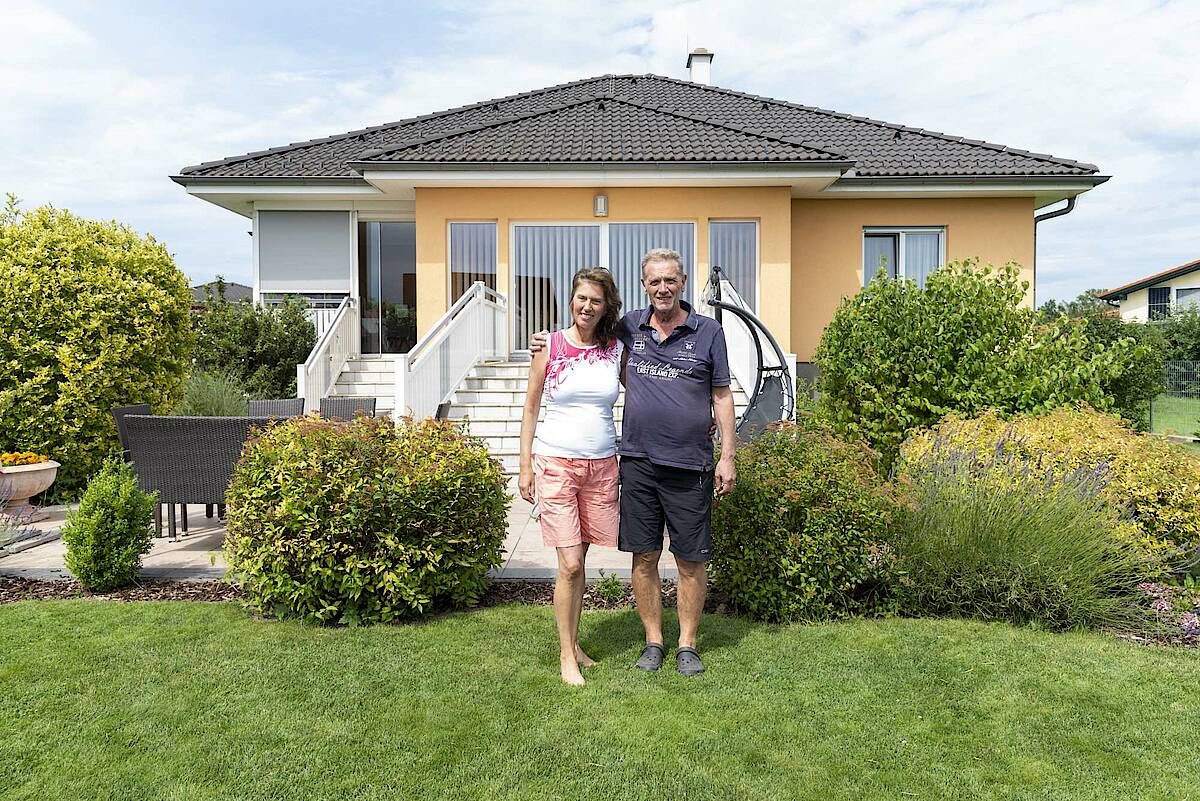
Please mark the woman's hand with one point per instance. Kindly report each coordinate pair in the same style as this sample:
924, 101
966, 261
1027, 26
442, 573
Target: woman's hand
525, 483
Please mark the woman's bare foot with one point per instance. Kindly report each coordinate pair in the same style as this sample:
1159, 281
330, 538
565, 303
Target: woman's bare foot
582, 658
570, 671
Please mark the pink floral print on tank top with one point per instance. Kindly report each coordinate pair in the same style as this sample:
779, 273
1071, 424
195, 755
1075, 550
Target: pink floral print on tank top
564, 356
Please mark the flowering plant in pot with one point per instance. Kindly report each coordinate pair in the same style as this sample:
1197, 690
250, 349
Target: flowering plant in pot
24, 474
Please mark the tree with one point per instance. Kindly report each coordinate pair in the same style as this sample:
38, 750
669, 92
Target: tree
92, 316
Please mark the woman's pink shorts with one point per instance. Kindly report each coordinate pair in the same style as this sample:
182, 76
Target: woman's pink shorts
579, 501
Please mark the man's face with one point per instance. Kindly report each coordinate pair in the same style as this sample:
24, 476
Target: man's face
664, 283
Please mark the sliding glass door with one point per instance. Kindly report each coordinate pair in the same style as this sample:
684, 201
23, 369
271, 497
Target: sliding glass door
387, 285
545, 257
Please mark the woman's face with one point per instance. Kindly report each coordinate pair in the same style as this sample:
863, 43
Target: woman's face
587, 305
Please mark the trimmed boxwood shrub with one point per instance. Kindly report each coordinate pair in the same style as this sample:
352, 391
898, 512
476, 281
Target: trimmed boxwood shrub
363, 521
107, 535
1157, 481
1000, 534
896, 357
92, 316
803, 536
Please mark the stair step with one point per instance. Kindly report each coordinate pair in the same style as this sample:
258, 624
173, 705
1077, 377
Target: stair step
360, 389
367, 377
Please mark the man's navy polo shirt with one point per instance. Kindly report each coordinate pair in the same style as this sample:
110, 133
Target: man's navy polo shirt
668, 389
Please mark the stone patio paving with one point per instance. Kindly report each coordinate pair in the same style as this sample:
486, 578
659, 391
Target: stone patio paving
197, 557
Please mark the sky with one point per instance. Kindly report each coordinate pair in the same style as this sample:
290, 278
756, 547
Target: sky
101, 101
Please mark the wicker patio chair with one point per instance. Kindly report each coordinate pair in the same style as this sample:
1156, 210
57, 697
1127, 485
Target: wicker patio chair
118, 414
187, 459
344, 408
281, 407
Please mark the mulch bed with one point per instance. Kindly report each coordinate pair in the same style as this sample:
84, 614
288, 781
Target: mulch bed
26, 589
535, 593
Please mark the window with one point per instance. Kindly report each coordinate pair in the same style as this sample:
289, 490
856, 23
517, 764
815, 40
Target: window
472, 256
315, 300
1187, 298
1160, 302
546, 256
733, 246
911, 253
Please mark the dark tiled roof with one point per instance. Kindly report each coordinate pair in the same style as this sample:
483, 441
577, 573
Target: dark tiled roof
601, 130
878, 149
1166, 275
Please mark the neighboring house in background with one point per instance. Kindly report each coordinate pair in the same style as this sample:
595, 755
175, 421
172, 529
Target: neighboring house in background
233, 293
798, 205
1155, 296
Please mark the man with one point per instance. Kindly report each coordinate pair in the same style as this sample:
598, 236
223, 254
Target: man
676, 376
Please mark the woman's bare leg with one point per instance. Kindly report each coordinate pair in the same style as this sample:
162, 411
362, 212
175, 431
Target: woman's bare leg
580, 656
568, 601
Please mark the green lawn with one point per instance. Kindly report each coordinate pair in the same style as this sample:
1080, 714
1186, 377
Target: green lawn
1175, 415
195, 701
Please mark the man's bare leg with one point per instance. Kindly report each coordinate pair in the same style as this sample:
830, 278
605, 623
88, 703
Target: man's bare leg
692, 587
647, 592
568, 592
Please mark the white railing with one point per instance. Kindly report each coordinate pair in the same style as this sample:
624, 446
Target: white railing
322, 319
474, 328
340, 340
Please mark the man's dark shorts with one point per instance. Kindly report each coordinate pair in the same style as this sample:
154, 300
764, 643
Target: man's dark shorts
652, 495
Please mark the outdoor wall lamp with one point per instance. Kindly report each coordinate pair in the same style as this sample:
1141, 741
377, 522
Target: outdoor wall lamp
600, 206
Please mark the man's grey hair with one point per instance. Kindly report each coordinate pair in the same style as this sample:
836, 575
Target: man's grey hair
662, 254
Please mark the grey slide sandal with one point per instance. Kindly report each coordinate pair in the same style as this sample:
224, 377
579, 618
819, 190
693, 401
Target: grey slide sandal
651, 658
687, 661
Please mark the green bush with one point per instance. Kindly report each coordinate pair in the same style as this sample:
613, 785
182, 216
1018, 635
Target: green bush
107, 535
92, 316
896, 357
1000, 536
1158, 482
803, 536
1182, 332
212, 395
363, 521
258, 346
1139, 375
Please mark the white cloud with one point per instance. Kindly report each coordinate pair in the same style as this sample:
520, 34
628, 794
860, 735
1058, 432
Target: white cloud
96, 118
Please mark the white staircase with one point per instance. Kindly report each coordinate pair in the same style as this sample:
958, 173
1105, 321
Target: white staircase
488, 402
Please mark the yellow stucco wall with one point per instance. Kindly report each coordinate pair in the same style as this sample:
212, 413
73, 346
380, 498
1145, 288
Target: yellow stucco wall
827, 241
770, 206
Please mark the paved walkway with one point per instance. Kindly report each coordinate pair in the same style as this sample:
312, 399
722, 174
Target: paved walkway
197, 557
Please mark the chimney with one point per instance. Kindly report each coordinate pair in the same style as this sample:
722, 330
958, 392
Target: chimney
698, 64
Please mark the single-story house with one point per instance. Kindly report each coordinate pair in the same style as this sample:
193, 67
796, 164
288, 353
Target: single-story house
234, 293
1156, 296
798, 205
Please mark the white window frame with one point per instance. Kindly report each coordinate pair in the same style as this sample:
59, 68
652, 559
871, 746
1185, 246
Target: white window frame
604, 254
1175, 297
902, 231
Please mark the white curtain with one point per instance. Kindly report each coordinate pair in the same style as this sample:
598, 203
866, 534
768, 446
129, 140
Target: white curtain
628, 242
733, 246
878, 249
545, 259
472, 256
922, 252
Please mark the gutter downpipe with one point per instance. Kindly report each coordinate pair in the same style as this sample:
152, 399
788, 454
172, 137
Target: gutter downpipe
1050, 215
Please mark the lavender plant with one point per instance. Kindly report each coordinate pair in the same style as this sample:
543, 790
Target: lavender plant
998, 535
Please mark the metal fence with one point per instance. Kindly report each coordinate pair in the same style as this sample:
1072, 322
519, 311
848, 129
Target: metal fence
1177, 409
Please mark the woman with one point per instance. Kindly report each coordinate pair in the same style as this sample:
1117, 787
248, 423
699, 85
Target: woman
571, 456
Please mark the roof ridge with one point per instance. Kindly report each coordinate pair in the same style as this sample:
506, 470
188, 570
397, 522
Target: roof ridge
660, 109
398, 123
380, 151
755, 132
880, 123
